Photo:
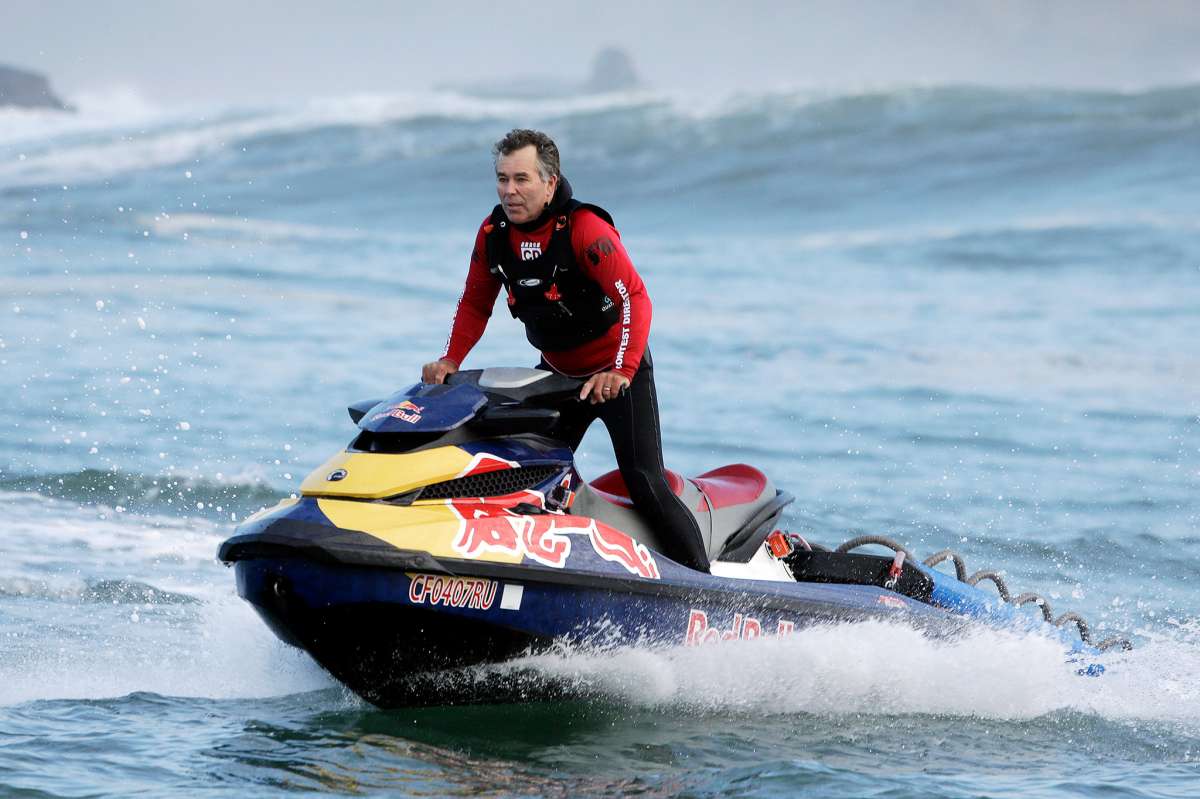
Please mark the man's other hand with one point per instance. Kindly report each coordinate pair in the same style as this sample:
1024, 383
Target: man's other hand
603, 387
436, 371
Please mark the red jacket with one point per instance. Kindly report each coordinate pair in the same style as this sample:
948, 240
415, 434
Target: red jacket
602, 257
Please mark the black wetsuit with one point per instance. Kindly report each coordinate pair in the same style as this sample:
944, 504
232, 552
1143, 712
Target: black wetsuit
632, 422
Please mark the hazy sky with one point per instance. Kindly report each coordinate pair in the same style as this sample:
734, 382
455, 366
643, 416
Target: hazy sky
243, 50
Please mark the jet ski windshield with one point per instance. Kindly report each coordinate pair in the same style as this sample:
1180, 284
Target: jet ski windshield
492, 401
422, 408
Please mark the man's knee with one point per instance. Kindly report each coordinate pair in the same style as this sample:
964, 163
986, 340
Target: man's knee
645, 482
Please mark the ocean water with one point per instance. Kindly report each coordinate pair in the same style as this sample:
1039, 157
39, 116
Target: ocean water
958, 316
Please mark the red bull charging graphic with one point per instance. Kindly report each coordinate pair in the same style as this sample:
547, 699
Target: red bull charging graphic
543, 538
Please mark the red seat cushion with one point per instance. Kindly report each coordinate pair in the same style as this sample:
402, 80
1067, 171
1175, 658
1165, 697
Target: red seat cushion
612, 486
732, 485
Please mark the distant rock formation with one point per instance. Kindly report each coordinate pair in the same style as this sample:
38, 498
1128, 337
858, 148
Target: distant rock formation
612, 71
28, 90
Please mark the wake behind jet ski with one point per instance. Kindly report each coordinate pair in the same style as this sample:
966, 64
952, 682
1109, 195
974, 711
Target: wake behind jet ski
455, 531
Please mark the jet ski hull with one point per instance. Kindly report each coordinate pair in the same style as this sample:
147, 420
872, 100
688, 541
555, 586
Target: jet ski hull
403, 628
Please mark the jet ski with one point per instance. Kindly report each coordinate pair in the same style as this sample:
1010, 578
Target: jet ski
455, 535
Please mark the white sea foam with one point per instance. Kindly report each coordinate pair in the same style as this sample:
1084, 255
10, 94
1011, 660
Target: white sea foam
97, 112
38, 527
216, 647
120, 150
878, 668
230, 653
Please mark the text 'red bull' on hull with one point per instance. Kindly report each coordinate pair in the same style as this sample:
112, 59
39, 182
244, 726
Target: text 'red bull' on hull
454, 536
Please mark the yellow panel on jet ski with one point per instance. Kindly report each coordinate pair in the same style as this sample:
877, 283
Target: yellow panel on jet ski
374, 475
428, 528
283, 503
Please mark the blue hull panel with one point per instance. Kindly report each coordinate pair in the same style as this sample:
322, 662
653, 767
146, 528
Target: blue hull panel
400, 638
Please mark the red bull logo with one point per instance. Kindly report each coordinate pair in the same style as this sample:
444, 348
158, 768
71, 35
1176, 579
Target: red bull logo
485, 528
617, 547
482, 530
405, 411
744, 628
452, 592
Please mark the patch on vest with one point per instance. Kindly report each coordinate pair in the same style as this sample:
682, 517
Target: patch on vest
530, 250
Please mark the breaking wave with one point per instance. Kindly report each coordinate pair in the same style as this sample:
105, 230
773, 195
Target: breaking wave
727, 141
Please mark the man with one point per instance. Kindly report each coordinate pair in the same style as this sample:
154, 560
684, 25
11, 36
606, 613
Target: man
570, 281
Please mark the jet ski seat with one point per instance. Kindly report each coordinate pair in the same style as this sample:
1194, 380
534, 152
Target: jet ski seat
733, 505
611, 486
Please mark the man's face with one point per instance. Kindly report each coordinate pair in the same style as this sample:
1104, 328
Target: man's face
522, 192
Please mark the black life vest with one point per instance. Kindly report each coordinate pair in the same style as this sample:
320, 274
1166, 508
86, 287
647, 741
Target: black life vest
560, 306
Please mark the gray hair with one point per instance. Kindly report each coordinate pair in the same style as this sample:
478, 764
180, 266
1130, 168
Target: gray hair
547, 150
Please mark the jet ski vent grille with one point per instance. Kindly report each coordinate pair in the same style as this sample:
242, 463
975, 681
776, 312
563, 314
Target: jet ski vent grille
491, 484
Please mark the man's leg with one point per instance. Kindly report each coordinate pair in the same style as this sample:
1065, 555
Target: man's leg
632, 422
573, 422
574, 419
